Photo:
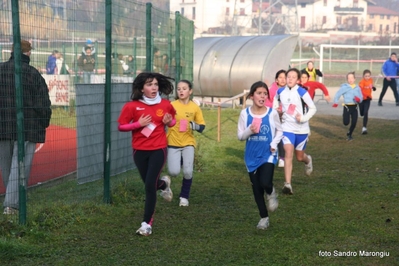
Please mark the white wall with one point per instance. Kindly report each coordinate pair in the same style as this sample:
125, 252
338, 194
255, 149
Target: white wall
212, 13
314, 13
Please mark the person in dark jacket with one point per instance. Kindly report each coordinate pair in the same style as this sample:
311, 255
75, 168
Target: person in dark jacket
36, 118
86, 63
390, 69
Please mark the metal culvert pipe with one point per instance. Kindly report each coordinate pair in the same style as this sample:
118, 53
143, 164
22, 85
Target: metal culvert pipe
225, 66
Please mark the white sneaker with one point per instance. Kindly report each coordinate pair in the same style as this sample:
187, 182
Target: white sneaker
263, 223
272, 201
167, 193
144, 230
10, 211
309, 166
364, 131
280, 163
183, 202
287, 189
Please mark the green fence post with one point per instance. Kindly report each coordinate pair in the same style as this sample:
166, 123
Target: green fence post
75, 65
114, 58
20, 112
134, 57
177, 42
107, 101
96, 56
148, 53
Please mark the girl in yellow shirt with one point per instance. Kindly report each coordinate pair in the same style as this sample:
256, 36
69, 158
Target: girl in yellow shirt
181, 141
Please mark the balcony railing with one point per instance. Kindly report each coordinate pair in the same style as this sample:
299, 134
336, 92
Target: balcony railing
349, 9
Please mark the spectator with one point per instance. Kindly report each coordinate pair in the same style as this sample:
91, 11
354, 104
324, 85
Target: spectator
86, 63
89, 43
37, 114
62, 68
131, 64
389, 69
157, 61
51, 66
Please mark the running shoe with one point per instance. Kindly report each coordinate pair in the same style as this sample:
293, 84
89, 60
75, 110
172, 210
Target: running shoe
287, 189
144, 230
309, 166
263, 223
167, 193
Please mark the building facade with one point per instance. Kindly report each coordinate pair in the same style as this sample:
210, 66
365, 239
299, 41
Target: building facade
216, 16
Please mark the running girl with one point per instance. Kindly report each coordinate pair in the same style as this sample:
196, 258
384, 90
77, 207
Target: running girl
181, 141
260, 126
146, 116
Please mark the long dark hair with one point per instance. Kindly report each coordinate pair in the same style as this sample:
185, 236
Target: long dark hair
258, 84
164, 83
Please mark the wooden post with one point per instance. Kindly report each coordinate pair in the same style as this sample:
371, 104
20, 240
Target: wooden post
244, 101
219, 119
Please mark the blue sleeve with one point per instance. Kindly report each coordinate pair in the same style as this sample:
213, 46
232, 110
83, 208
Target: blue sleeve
302, 91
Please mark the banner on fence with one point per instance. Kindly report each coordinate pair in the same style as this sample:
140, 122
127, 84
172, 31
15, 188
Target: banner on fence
59, 89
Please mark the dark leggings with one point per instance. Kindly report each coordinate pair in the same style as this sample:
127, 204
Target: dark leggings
364, 110
389, 83
150, 164
262, 180
350, 115
281, 151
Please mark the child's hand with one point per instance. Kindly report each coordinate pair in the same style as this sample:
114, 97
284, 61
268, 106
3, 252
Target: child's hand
298, 117
167, 118
328, 98
254, 129
357, 99
144, 120
335, 105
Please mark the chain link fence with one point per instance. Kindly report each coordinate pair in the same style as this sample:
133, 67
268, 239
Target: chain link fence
77, 46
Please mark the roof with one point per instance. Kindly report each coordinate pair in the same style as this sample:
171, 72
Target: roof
292, 2
255, 7
379, 10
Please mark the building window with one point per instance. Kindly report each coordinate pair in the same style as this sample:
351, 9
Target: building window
387, 28
242, 1
324, 20
227, 11
380, 28
381, 16
193, 13
242, 11
227, 1
371, 16
370, 27
182, 1
182, 11
388, 17
325, 2
355, 3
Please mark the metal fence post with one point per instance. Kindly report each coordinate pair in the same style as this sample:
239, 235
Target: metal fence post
148, 55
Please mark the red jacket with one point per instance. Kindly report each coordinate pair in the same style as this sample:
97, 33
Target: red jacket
311, 86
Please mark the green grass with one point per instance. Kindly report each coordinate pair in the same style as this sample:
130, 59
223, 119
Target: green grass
350, 203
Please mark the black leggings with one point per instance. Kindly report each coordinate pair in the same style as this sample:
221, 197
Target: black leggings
389, 83
150, 164
262, 180
350, 115
364, 107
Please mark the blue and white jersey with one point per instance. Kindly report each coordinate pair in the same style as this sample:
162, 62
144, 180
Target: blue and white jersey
257, 148
293, 96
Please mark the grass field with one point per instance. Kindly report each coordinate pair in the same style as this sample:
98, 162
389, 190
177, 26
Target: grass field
349, 204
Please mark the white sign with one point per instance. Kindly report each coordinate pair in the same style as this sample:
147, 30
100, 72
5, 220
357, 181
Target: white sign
59, 89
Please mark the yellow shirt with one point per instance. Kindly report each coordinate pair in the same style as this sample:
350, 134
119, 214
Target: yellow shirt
188, 112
